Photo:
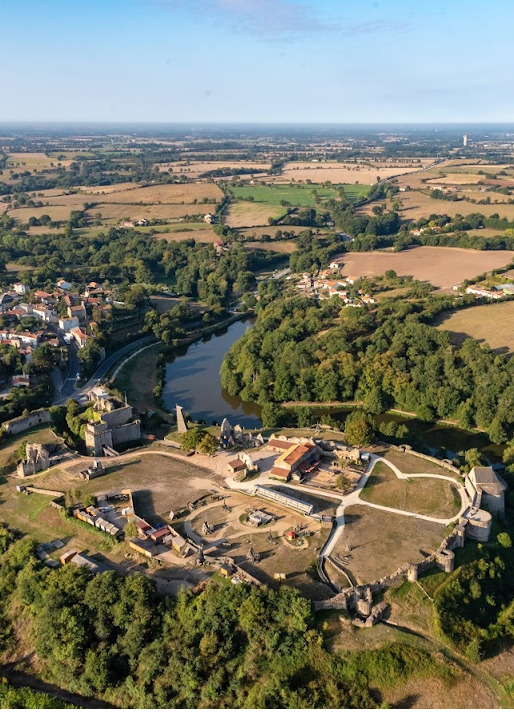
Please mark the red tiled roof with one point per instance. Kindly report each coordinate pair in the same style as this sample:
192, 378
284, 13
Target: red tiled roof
301, 450
277, 471
279, 444
236, 464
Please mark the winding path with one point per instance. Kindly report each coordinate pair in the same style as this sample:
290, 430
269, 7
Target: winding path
354, 498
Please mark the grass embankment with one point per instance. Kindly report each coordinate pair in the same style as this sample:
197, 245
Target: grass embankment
138, 378
428, 497
487, 323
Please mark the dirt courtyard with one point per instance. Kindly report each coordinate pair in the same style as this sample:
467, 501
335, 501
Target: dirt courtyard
296, 560
442, 267
381, 542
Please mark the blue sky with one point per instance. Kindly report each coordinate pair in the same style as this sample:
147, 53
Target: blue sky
257, 60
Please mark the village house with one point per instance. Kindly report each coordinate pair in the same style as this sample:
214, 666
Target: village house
336, 264
20, 288
44, 313
79, 336
78, 311
235, 465
43, 296
68, 323
64, 285
17, 339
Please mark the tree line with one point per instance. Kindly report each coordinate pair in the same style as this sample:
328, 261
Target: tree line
387, 356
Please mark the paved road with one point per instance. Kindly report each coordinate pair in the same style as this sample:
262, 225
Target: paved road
70, 390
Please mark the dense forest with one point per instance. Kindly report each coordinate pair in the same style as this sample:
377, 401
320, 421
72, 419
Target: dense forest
474, 606
116, 639
388, 356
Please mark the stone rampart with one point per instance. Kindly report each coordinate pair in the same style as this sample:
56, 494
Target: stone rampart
21, 424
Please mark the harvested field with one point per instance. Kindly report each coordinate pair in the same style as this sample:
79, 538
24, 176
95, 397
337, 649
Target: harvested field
419, 205
428, 497
167, 193
194, 168
248, 214
277, 246
56, 213
112, 188
442, 267
74, 200
199, 235
31, 160
131, 211
381, 542
344, 172
485, 323
463, 178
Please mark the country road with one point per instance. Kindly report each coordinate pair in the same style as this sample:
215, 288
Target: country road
69, 390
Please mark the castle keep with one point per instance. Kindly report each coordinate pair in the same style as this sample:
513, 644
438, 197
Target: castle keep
114, 426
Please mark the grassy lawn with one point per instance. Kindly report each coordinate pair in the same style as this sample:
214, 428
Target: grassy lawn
295, 195
381, 542
31, 514
10, 445
411, 464
429, 497
138, 378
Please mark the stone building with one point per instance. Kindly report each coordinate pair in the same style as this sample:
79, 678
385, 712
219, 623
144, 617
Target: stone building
114, 426
490, 487
37, 459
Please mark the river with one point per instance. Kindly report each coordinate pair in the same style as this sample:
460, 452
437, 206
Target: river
192, 380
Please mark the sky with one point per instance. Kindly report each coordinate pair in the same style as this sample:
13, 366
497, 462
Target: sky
293, 61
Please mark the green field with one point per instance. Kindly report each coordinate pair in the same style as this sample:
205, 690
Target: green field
296, 195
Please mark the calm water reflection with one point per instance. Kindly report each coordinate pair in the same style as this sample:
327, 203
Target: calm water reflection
193, 381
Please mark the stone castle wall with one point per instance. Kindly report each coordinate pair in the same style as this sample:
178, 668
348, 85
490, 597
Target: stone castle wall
444, 557
20, 424
126, 432
117, 416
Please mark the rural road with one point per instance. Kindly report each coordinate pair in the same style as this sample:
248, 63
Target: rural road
69, 389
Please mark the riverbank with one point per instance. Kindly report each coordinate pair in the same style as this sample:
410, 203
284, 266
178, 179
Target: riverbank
139, 376
353, 405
